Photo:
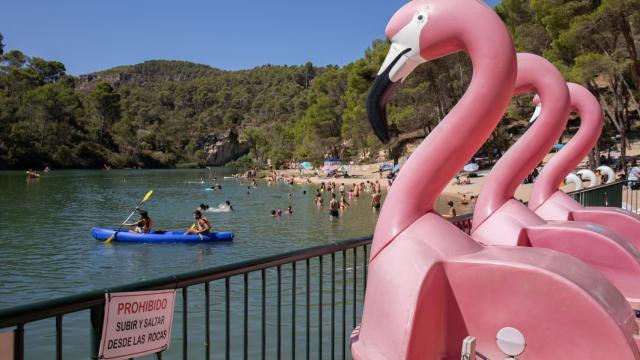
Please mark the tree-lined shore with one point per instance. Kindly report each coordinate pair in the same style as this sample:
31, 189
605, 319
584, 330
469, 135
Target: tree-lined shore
155, 114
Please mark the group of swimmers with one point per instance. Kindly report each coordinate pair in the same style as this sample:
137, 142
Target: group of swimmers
278, 212
340, 196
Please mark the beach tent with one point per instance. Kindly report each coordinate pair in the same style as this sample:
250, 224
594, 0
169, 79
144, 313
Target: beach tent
471, 167
305, 165
385, 167
331, 164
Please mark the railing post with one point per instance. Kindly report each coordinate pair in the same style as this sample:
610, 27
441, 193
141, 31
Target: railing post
97, 316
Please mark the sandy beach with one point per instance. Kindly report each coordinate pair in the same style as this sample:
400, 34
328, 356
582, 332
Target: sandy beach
369, 172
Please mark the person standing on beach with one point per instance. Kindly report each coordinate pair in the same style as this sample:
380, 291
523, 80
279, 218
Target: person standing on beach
377, 186
334, 206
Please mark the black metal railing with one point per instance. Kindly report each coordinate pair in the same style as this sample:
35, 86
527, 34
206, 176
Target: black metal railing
289, 305
300, 304
602, 195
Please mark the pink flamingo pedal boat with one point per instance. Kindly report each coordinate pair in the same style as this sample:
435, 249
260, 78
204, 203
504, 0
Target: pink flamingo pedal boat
429, 284
501, 220
550, 203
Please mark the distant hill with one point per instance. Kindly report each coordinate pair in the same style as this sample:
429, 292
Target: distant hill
152, 71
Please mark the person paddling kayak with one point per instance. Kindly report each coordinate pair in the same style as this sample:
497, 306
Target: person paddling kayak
201, 226
143, 225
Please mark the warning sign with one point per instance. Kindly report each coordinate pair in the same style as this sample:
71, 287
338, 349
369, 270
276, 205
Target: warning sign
136, 323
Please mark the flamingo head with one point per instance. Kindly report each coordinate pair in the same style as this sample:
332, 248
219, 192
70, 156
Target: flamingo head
420, 31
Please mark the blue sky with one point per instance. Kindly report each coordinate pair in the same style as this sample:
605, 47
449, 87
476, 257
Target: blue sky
89, 35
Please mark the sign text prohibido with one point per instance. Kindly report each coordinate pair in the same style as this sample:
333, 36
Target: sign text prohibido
136, 323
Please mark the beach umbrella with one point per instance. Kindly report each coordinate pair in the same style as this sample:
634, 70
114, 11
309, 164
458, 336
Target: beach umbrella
385, 167
558, 146
471, 167
305, 165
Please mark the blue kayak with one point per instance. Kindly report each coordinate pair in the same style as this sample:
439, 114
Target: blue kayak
159, 236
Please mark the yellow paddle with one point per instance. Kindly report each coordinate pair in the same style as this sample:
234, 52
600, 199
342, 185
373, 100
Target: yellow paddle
193, 226
146, 197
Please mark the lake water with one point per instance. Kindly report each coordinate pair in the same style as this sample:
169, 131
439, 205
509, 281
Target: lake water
47, 250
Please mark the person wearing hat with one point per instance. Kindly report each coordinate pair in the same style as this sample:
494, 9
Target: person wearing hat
143, 225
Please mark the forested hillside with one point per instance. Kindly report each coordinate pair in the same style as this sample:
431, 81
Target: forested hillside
154, 114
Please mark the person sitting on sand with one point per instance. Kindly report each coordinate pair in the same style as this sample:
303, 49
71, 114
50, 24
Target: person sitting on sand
464, 200
375, 200
334, 206
142, 226
452, 210
201, 226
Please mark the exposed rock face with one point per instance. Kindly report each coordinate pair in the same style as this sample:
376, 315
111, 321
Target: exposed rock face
88, 82
223, 147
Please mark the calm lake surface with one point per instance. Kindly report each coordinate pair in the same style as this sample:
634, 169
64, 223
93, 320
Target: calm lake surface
47, 250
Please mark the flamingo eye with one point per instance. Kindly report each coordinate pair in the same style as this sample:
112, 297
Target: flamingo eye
421, 16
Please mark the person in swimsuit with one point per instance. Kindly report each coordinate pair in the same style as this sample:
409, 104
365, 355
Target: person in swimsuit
452, 210
201, 226
334, 206
375, 200
142, 226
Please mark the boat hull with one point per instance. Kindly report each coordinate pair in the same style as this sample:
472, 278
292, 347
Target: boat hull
160, 236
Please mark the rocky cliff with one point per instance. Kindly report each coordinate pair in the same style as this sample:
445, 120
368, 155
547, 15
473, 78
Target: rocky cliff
222, 147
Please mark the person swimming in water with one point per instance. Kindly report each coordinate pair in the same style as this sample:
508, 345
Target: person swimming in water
289, 210
334, 206
452, 210
202, 225
228, 205
143, 225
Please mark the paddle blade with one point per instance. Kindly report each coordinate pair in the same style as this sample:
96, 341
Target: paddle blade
110, 238
146, 197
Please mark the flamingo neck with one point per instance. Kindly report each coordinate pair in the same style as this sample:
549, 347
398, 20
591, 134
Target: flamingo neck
452, 143
587, 106
534, 75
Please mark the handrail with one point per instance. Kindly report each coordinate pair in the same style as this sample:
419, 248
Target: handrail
50, 308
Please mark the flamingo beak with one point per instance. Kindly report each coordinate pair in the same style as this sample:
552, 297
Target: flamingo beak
382, 89
402, 59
